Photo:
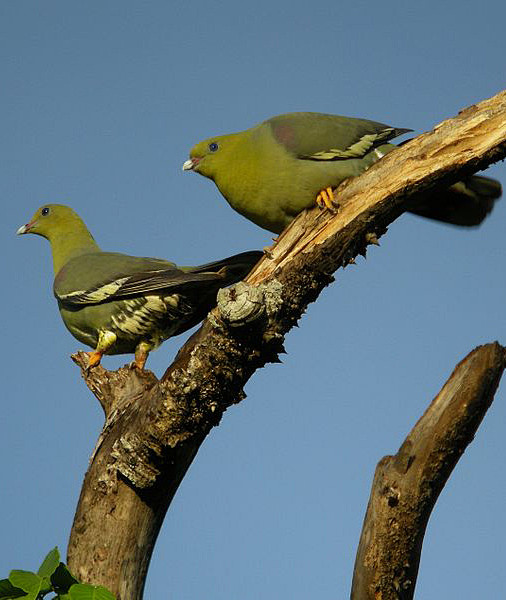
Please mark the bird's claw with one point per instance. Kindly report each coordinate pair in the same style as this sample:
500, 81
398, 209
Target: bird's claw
326, 201
135, 364
94, 359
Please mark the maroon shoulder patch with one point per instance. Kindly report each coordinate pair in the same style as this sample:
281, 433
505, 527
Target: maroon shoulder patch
285, 135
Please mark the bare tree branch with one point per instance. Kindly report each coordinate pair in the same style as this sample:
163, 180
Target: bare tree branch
406, 486
154, 428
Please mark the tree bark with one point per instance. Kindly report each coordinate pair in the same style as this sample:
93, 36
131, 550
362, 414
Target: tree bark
406, 486
154, 428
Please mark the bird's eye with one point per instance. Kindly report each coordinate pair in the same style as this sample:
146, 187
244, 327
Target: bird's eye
44, 211
213, 146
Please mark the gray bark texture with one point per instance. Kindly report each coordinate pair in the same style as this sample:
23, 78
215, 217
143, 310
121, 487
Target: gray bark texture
153, 428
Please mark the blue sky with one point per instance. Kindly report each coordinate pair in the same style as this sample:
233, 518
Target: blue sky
100, 104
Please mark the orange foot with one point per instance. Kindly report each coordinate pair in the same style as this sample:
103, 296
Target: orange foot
94, 359
325, 199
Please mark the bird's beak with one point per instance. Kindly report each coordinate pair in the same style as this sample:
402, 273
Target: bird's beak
27, 228
191, 163
23, 229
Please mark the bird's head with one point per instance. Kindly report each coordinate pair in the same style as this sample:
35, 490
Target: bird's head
50, 220
64, 229
212, 155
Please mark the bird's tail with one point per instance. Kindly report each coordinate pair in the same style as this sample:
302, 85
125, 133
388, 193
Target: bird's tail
465, 203
234, 268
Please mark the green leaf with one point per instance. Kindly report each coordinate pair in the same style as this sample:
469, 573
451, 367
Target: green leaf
30, 582
8, 591
50, 563
85, 591
62, 579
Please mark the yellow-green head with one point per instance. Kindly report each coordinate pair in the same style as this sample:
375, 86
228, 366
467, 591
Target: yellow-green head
64, 229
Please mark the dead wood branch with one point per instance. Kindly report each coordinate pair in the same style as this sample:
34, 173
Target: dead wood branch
406, 486
154, 428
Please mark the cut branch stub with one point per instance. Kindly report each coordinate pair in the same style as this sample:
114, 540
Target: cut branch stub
240, 304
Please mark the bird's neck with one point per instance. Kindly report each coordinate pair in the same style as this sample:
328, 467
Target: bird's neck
68, 245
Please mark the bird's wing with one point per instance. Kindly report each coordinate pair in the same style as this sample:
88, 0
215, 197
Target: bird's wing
316, 136
239, 264
104, 277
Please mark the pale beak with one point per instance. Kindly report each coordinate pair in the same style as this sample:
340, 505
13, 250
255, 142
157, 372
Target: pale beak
23, 229
190, 164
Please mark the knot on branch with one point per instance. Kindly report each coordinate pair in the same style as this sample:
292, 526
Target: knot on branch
243, 303
240, 304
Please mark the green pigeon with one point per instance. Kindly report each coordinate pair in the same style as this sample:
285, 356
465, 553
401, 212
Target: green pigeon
120, 304
273, 171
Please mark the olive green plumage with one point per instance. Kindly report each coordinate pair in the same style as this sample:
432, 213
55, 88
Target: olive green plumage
120, 304
273, 171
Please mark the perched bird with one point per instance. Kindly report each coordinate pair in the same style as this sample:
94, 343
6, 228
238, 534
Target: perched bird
121, 304
273, 171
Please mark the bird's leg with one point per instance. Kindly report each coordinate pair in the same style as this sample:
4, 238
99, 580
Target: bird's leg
325, 199
105, 340
141, 355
